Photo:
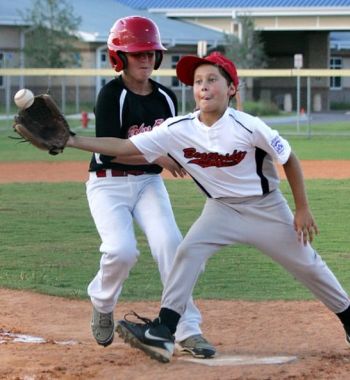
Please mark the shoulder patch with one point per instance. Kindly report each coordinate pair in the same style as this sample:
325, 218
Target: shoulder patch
277, 145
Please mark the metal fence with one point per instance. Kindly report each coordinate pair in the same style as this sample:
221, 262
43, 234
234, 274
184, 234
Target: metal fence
302, 93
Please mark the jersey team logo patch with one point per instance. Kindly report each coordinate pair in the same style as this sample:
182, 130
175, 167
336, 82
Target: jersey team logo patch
277, 145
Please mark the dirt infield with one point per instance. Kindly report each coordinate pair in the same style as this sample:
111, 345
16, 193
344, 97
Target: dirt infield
44, 337
305, 330
77, 171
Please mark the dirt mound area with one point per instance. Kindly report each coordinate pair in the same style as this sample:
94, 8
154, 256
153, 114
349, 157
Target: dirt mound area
44, 337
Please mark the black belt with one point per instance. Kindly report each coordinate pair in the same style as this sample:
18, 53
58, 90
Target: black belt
119, 173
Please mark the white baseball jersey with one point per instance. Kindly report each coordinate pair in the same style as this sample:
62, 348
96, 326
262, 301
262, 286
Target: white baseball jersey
232, 158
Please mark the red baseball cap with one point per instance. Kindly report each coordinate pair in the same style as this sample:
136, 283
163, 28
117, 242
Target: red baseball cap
187, 65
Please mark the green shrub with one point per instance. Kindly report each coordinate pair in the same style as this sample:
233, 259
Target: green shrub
337, 106
260, 108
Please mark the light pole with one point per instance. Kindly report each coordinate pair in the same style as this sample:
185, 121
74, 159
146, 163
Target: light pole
298, 64
22, 39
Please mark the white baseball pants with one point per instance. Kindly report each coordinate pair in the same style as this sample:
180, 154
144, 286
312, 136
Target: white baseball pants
114, 203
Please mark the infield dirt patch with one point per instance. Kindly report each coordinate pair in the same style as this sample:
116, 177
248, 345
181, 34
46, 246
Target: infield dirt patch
266, 329
72, 171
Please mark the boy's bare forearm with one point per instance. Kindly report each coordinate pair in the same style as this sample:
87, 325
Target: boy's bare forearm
108, 146
304, 222
294, 174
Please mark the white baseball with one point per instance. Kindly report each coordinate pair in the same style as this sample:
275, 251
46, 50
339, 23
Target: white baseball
24, 98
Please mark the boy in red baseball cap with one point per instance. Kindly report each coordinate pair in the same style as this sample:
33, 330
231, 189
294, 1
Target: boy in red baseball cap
186, 67
230, 155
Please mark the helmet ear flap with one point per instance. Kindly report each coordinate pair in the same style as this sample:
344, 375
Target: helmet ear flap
158, 59
118, 60
123, 61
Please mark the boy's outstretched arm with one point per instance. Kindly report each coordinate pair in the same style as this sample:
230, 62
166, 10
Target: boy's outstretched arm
304, 223
109, 146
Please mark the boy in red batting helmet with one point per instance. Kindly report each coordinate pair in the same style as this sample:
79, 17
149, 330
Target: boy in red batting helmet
122, 191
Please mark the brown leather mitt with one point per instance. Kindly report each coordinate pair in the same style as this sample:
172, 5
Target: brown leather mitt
43, 125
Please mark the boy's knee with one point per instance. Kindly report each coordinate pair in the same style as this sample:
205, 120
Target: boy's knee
122, 256
185, 251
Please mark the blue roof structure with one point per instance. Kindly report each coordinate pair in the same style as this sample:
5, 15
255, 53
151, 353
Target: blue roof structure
171, 4
97, 17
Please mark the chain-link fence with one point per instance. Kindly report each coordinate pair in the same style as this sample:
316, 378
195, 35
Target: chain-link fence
303, 97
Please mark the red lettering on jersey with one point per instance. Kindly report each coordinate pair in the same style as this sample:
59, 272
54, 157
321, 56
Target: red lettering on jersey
218, 160
135, 129
157, 122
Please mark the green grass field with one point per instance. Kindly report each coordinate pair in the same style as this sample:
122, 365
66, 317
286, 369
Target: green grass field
49, 243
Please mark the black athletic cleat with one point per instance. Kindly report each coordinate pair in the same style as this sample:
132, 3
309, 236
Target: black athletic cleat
151, 337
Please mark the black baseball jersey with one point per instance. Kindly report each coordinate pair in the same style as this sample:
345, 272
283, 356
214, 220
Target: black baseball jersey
121, 113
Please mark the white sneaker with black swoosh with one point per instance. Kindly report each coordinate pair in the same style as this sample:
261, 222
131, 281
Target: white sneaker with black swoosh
151, 337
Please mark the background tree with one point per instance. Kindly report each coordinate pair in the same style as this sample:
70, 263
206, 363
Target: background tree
50, 40
247, 53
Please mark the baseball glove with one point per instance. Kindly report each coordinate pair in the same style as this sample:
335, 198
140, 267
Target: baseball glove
43, 125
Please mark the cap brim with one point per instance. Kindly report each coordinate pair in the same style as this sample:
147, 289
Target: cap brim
186, 67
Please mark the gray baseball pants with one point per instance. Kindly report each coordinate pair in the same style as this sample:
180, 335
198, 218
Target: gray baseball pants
265, 222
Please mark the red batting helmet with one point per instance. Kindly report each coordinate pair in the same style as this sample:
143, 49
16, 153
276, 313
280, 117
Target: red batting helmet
133, 34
